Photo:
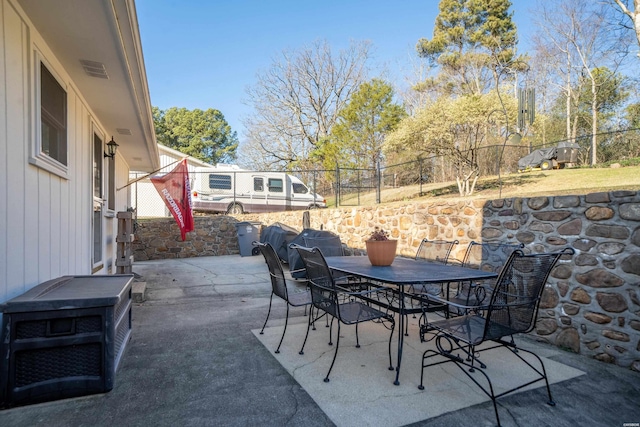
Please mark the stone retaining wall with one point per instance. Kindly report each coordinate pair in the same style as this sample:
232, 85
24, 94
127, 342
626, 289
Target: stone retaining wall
159, 238
591, 304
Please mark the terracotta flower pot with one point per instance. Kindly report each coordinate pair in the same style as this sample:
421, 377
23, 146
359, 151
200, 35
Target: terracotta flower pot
381, 252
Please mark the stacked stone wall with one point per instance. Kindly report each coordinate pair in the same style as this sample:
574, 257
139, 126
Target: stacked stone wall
159, 238
591, 304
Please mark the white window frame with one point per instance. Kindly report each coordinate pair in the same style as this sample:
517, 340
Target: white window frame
36, 156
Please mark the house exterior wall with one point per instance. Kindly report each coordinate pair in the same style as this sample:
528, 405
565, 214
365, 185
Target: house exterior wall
45, 219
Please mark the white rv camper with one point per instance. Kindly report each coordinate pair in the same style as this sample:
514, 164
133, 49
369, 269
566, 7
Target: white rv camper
233, 190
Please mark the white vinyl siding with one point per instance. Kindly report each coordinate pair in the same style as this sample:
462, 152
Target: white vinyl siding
45, 215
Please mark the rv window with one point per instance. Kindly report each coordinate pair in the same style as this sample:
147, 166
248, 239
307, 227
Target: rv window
258, 184
275, 185
300, 188
220, 182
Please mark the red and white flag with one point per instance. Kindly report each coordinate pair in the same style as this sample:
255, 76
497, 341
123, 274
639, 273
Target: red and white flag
175, 190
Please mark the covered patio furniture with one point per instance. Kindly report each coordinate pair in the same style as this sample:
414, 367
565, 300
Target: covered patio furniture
512, 310
330, 244
279, 236
279, 287
343, 305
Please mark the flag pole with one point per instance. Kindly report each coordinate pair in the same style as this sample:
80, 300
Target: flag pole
150, 173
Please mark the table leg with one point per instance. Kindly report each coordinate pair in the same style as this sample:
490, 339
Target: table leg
400, 334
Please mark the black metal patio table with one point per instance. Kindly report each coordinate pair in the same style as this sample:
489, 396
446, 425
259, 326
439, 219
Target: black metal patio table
405, 272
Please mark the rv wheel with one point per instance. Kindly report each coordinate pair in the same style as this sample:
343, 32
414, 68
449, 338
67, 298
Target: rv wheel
235, 209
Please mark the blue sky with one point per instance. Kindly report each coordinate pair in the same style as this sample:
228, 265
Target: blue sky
204, 54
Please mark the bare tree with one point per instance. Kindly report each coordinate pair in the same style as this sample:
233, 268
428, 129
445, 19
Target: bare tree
555, 62
297, 100
631, 13
579, 32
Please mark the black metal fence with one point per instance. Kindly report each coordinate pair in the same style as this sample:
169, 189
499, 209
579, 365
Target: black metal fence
367, 186
355, 187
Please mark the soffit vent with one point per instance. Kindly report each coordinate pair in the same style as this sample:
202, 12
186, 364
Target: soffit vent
94, 69
122, 131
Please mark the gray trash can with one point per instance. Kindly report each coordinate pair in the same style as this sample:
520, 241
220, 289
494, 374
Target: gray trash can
248, 232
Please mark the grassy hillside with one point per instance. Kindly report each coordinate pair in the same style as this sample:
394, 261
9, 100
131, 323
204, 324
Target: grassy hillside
528, 184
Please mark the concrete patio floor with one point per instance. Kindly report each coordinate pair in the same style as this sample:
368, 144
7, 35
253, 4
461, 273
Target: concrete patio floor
193, 360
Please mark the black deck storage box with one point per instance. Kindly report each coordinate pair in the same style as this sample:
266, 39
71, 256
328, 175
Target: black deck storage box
64, 338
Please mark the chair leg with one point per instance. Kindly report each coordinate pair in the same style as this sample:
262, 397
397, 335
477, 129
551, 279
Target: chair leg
268, 313
326, 379
286, 321
543, 374
331, 330
311, 320
406, 325
393, 327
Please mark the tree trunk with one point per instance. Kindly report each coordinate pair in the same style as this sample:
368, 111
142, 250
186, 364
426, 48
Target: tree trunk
594, 124
569, 100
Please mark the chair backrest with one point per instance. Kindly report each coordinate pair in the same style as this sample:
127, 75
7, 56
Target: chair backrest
518, 290
278, 281
488, 256
321, 283
296, 268
329, 246
435, 250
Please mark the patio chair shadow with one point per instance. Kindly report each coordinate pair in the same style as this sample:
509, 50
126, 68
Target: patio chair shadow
361, 391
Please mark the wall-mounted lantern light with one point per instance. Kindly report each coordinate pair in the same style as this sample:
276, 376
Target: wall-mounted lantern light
111, 148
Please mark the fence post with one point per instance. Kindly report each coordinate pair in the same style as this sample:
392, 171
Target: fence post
378, 190
234, 187
420, 167
359, 181
337, 186
315, 189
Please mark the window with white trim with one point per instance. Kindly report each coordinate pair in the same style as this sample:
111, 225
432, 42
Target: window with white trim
49, 149
53, 117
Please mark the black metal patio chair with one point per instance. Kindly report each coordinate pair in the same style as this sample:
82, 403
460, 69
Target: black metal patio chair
340, 303
432, 251
487, 256
279, 287
512, 310
435, 250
